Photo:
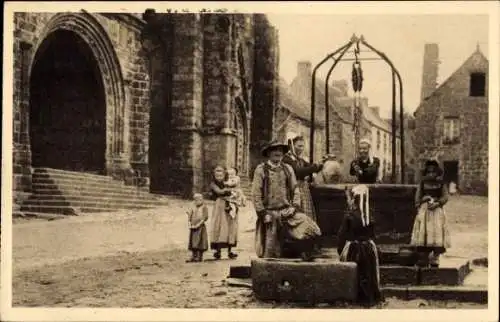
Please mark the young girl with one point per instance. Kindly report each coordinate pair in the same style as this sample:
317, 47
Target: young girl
430, 234
356, 244
198, 238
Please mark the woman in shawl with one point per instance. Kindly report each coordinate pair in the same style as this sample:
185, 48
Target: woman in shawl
356, 244
303, 170
224, 227
430, 233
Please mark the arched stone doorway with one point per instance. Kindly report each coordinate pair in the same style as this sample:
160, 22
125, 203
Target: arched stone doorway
67, 106
85, 52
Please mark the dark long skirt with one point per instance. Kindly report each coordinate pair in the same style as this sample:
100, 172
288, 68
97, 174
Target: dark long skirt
364, 254
198, 239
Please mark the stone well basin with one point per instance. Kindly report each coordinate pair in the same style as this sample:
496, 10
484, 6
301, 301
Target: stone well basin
392, 207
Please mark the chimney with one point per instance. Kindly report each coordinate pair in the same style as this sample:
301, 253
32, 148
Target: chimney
304, 70
429, 70
376, 110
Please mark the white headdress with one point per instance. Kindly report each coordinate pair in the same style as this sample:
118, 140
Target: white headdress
365, 141
291, 136
364, 196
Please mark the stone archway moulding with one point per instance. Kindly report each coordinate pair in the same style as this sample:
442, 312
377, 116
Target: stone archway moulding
244, 119
92, 32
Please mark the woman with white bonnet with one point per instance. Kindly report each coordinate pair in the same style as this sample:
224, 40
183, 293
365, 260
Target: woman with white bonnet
365, 167
356, 244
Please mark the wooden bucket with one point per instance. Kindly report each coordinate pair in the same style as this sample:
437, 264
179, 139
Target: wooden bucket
392, 207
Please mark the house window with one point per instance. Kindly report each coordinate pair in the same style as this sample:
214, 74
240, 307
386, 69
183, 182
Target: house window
451, 130
477, 84
378, 140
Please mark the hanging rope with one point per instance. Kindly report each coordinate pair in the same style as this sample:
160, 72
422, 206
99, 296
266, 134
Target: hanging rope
357, 86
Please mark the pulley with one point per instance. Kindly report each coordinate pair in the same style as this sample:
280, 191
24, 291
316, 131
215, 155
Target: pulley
357, 77
357, 72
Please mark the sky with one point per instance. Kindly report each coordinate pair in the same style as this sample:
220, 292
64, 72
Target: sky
400, 37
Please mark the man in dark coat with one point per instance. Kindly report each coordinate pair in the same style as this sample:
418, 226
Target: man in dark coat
366, 168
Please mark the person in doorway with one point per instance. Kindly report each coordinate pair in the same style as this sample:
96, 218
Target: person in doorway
303, 170
366, 168
430, 233
224, 227
198, 238
276, 198
453, 188
356, 244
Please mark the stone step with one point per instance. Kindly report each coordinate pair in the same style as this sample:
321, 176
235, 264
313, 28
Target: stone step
116, 193
77, 178
59, 210
78, 182
94, 198
103, 203
87, 195
68, 210
467, 293
69, 173
52, 188
68, 192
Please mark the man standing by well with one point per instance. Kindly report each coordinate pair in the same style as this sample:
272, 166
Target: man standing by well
276, 197
365, 167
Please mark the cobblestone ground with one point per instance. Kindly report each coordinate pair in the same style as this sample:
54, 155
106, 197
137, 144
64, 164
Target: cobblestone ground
137, 259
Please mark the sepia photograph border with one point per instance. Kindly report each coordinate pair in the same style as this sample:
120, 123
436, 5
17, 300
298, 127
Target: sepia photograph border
490, 8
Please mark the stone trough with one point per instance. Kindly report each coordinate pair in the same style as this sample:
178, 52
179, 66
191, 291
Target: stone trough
326, 280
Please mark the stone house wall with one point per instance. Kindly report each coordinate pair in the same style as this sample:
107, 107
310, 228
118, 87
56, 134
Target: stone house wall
452, 99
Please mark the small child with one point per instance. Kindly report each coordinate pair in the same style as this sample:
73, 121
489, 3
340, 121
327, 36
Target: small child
237, 198
198, 238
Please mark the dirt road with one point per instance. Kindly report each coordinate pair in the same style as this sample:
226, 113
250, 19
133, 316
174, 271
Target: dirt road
137, 259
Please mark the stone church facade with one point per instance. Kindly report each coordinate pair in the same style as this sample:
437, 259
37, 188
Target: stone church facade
160, 96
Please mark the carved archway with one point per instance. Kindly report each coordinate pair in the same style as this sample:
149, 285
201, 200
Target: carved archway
88, 28
242, 138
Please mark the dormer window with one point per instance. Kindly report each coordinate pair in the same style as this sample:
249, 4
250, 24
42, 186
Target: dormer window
477, 86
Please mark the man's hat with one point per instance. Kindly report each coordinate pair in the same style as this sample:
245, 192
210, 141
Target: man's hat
274, 145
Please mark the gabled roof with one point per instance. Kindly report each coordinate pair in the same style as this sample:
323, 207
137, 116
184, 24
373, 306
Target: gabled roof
475, 54
294, 105
341, 103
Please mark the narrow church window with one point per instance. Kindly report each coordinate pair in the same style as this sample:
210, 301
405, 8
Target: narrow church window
477, 84
451, 130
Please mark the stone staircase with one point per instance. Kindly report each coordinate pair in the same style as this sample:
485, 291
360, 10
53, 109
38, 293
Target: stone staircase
72, 193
